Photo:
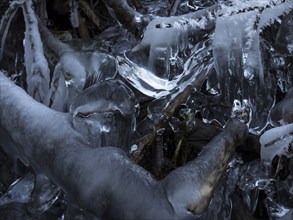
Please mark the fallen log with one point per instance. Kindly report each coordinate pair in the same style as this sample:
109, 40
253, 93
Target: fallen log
104, 181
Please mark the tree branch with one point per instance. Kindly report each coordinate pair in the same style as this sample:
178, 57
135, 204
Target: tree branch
104, 181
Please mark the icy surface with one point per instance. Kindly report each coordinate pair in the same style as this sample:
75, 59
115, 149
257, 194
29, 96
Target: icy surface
76, 71
105, 113
20, 191
276, 141
243, 50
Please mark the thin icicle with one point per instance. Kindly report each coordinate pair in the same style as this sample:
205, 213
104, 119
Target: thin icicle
74, 13
5, 23
38, 73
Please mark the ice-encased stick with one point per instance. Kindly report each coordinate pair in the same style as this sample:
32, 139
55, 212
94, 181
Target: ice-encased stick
104, 181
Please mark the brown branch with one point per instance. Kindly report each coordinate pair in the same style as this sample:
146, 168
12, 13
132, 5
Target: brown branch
90, 13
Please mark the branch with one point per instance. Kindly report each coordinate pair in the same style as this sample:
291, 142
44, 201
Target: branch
125, 15
90, 13
104, 181
38, 73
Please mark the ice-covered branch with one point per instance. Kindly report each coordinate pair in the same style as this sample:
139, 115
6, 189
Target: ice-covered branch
125, 15
38, 73
57, 46
104, 181
73, 69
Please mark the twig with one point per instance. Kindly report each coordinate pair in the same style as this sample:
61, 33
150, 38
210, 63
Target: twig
137, 4
90, 13
82, 28
174, 7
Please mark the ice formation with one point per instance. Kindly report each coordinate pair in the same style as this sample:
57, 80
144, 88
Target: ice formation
217, 62
105, 114
277, 141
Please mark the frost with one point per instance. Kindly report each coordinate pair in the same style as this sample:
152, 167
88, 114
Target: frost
38, 73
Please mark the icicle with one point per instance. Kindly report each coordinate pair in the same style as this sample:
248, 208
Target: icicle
5, 23
74, 14
265, 17
38, 73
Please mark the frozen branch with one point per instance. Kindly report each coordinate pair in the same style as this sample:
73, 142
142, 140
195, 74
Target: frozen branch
125, 15
104, 181
90, 13
38, 73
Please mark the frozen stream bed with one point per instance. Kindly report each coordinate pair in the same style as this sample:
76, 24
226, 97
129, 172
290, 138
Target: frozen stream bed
159, 80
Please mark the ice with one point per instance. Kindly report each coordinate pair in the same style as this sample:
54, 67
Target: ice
76, 71
38, 73
6, 19
285, 33
273, 204
57, 97
256, 177
20, 191
167, 40
200, 62
144, 80
74, 13
44, 196
106, 114
276, 141
174, 124
227, 44
242, 71
282, 112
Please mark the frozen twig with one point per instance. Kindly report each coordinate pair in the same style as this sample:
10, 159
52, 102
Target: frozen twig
125, 15
38, 73
57, 46
90, 13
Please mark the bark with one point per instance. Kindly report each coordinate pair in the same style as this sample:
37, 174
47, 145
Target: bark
104, 181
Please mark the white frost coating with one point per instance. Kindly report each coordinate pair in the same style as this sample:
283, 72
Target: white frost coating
276, 142
38, 73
